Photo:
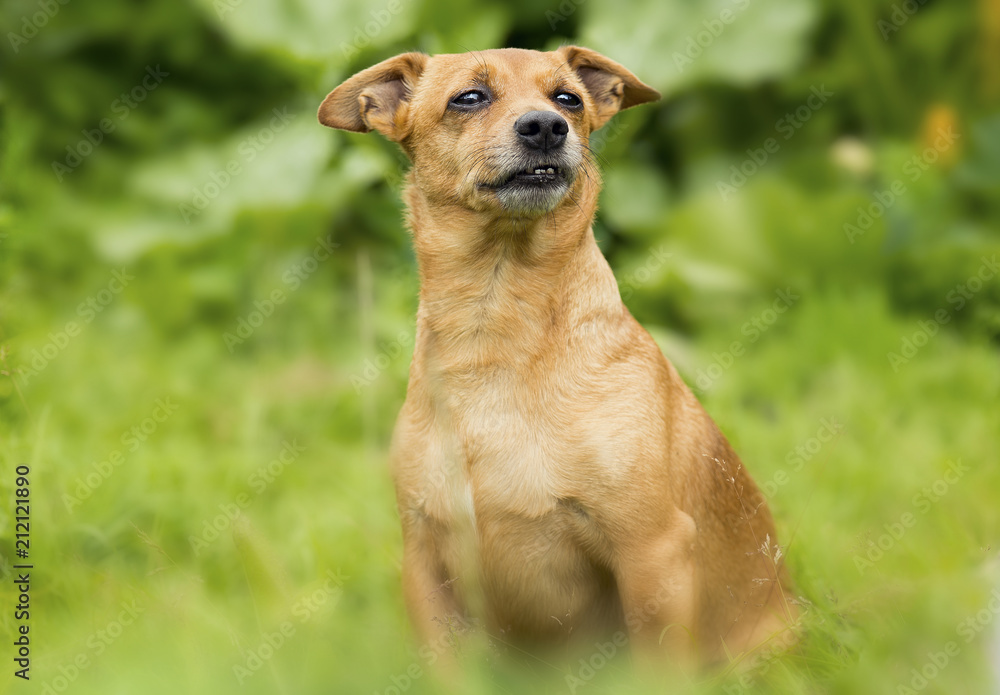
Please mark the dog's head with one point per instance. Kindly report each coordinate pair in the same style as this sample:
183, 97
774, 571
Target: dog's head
502, 130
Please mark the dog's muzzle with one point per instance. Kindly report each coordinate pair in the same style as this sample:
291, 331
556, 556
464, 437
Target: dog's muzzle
538, 170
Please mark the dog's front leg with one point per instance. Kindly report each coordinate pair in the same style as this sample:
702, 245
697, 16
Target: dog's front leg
657, 584
430, 596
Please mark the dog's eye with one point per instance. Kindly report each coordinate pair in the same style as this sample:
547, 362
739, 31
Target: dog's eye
473, 97
568, 99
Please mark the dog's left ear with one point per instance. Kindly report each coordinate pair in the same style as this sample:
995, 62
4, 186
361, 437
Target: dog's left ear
376, 98
610, 85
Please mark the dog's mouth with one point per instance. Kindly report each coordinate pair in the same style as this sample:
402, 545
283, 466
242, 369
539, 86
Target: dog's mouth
539, 176
531, 188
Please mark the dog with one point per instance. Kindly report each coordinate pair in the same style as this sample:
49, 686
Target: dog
555, 477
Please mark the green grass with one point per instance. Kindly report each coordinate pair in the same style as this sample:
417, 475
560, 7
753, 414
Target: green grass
330, 508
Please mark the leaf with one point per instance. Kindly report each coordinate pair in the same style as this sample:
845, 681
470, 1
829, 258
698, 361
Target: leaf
199, 191
313, 29
678, 43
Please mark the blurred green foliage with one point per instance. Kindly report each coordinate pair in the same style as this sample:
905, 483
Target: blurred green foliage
266, 290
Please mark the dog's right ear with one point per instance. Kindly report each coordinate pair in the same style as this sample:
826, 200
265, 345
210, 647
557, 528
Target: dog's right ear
376, 98
611, 86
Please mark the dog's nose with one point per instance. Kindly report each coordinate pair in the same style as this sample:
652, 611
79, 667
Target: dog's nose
542, 130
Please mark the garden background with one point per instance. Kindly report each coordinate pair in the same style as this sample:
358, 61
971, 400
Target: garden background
207, 307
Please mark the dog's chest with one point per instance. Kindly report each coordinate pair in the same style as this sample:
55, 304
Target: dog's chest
499, 484
501, 452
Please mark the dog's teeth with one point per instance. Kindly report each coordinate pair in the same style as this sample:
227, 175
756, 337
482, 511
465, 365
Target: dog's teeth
538, 171
550, 170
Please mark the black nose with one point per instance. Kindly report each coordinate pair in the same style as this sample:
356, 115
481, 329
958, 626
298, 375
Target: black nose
542, 130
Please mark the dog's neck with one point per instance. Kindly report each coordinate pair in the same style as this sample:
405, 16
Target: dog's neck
498, 291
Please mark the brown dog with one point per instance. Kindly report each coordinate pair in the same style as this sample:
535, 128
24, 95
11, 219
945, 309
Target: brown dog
554, 474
